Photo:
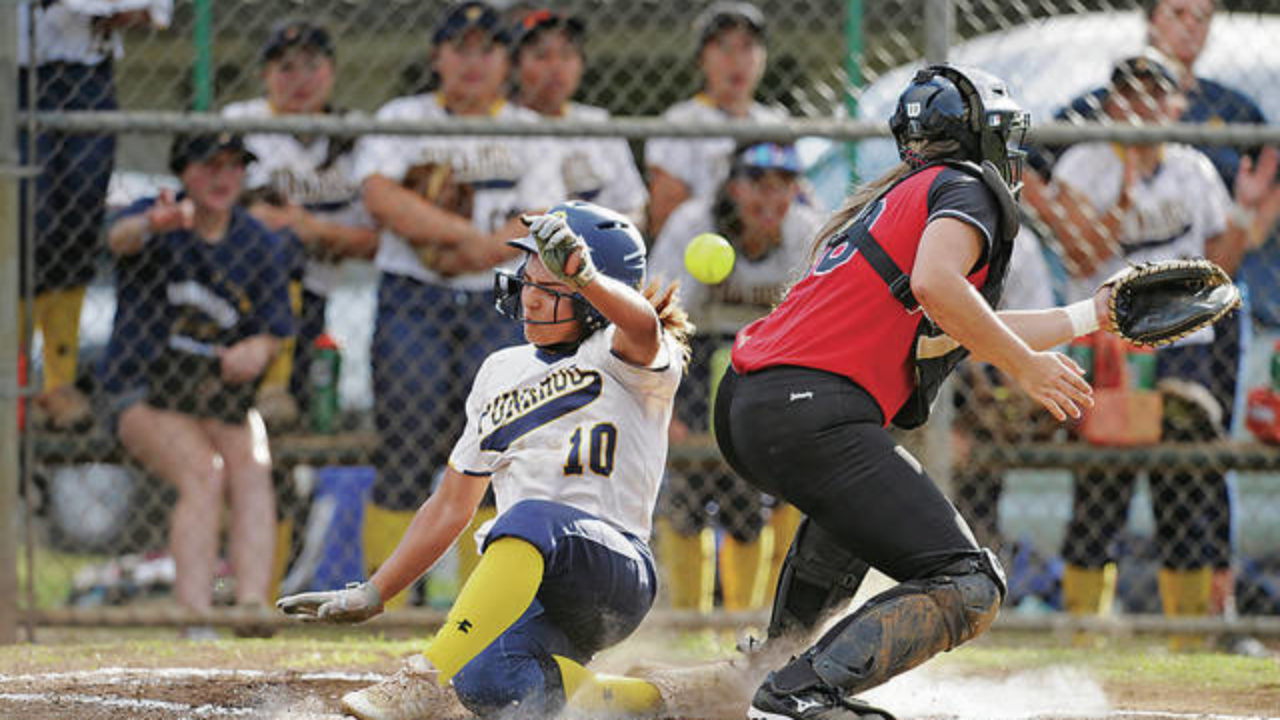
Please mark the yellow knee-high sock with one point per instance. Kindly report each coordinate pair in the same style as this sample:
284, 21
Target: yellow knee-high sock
744, 571
57, 313
606, 695
785, 520
1088, 591
280, 562
495, 596
281, 367
468, 554
381, 534
688, 568
1185, 593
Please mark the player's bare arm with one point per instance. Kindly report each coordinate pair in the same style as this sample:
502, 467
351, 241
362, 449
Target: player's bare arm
947, 249
408, 215
666, 192
439, 522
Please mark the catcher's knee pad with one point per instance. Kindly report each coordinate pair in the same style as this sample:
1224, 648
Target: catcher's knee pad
901, 628
818, 576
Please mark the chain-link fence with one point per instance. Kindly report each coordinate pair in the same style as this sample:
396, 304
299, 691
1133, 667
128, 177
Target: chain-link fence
356, 246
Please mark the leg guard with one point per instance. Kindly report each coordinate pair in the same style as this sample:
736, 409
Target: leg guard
901, 628
818, 577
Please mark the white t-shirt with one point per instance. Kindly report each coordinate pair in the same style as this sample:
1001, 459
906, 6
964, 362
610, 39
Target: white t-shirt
700, 163
599, 169
65, 30
587, 430
509, 175
753, 288
298, 171
1172, 214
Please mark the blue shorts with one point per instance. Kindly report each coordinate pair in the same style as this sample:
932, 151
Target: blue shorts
428, 343
598, 584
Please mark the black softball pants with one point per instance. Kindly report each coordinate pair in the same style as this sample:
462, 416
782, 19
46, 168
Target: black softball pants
818, 440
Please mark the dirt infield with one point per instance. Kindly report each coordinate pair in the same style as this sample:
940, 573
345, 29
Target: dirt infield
288, 679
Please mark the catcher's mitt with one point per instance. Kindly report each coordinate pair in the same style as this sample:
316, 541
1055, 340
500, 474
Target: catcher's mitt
438, 184
1157, 303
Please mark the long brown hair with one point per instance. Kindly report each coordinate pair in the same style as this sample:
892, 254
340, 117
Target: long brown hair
925, 151
671, 315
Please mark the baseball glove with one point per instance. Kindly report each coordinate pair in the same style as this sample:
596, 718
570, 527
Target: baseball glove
1157, 303
437, 183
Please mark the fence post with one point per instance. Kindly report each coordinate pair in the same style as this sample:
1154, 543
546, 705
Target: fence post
939, 28
9, 388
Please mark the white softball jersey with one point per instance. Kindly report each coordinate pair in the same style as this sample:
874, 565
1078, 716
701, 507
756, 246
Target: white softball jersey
510, 176
599, 169
67, 31
297, 169
1173, 213
700, 163
755, 284
587, 430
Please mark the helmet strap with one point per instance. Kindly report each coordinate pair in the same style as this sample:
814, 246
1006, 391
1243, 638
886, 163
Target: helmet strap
912, 158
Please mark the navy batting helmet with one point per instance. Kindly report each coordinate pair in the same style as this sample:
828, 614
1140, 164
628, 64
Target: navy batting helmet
969, 106
617, 250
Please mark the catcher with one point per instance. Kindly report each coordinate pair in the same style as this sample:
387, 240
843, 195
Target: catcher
802, 412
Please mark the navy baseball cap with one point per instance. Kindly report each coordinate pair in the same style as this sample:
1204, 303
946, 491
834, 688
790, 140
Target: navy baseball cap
191, 148
1131, 71
721, 16
535, 21
750, 158
464, 16
296, 33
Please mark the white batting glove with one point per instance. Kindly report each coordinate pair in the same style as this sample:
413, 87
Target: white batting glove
355, 603
557, 242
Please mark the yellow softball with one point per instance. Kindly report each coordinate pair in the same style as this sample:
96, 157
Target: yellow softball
709, 258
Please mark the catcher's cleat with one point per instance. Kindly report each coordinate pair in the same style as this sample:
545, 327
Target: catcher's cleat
413, 693
810, 704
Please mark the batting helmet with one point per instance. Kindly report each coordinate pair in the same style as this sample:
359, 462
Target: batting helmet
617, 250
969, 106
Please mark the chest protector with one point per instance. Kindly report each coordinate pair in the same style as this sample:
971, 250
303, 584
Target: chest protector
934, 354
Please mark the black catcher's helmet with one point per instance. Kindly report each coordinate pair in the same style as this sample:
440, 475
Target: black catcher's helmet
969, 106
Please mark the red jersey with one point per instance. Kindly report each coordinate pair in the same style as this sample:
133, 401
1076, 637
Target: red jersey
841, 317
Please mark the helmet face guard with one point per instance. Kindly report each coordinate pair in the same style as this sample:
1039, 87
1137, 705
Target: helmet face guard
507, 287
972, 108
617, 250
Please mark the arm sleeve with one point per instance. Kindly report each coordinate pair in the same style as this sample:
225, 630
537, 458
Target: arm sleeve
956, 194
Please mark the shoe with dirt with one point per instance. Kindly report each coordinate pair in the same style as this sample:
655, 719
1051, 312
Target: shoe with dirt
810, 704
413, 693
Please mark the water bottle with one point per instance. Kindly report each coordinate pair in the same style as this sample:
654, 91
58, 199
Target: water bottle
1142, 368
326, 367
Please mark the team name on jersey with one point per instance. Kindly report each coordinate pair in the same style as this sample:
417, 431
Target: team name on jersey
487, 163
321, 187
514, 413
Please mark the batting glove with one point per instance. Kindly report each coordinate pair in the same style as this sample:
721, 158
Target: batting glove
557, 242
355, 603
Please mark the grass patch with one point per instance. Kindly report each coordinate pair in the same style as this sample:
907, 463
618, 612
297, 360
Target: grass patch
55, 573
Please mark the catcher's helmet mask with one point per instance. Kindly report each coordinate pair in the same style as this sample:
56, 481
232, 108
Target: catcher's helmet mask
617, 250
969, 106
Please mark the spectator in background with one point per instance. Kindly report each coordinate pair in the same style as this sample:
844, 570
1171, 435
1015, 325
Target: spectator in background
75, 44
203, 307
548, 55
447, 205
755, 207
1113, 205
306, 186
731, 54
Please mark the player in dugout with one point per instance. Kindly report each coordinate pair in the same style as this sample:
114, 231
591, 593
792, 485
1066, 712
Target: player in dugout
571, 431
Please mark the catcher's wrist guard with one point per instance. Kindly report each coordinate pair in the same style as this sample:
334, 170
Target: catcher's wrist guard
1083, 317
1157, 303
